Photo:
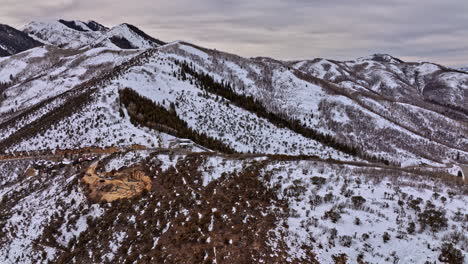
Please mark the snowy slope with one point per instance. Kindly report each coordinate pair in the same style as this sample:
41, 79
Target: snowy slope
97, 124
42, 76
240, 129
100, 124
216, 207
357, 229
363, 120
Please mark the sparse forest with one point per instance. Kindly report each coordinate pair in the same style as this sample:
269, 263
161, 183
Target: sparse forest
206, 82
144, 112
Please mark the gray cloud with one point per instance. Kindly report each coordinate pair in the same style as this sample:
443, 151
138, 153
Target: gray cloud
426, 30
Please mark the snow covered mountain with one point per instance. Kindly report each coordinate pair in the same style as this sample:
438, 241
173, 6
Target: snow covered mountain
63, 34
78, 34
331, 113
97, 114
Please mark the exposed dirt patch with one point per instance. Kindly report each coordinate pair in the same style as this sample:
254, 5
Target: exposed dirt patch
111, 186
31, 172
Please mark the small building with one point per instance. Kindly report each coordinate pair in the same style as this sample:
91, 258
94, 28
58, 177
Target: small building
181, 143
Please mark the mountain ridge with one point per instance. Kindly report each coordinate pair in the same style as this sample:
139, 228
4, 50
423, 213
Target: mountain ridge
78, 34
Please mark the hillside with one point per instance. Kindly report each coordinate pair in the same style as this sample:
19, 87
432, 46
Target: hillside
227, 209
116, 147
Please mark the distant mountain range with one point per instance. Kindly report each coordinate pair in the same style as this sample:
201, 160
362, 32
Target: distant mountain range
275, 128
78, 34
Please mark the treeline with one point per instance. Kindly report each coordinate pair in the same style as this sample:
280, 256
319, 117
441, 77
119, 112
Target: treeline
224, 89
3, 87
145, 112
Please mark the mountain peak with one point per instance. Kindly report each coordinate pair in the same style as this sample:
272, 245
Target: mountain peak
95, 26
78, 34
143, 34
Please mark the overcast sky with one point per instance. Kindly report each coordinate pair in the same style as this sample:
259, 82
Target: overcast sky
417, 30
